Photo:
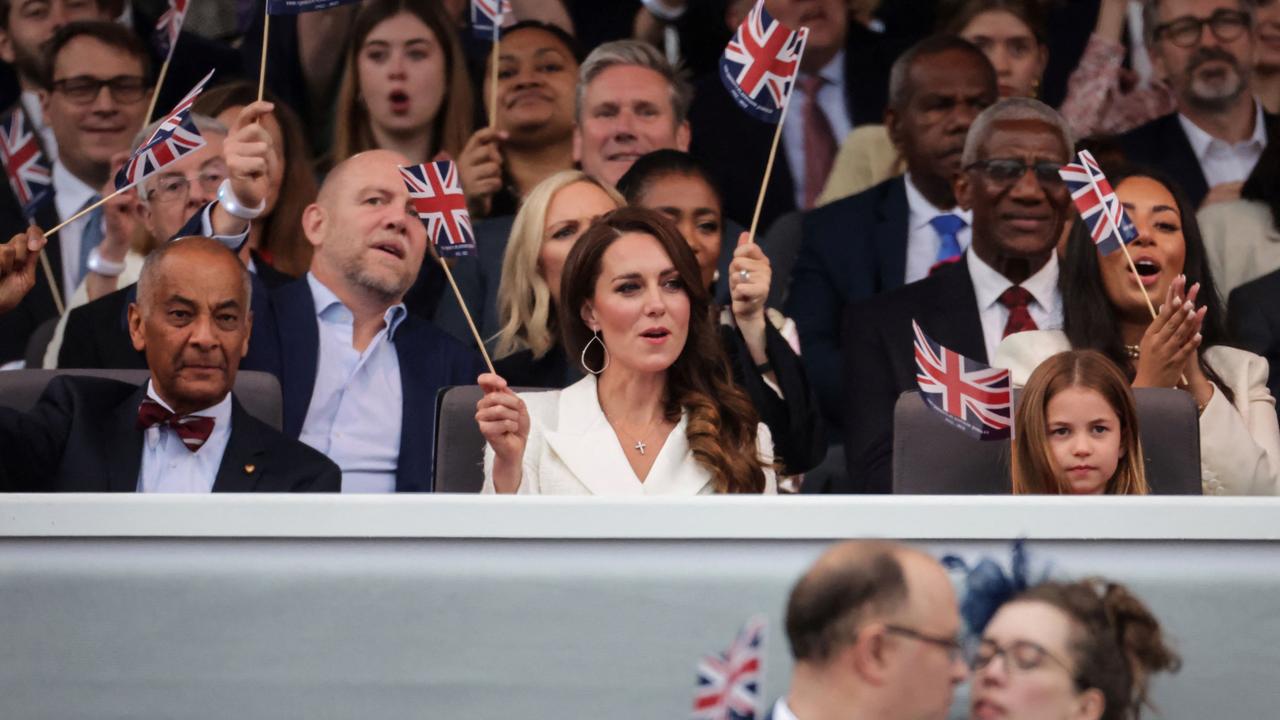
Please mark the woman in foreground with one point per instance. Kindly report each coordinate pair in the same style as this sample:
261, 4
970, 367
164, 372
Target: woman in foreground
658, 412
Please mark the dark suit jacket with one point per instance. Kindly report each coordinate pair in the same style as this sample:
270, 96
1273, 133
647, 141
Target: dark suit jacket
195, 56
97, 333
81, 437
1162, 144
17, 325
736, 145
852, 249
1253, 310
429, 360
879, 355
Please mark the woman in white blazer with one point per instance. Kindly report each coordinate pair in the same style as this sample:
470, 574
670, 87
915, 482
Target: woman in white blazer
658, 412
1104, 309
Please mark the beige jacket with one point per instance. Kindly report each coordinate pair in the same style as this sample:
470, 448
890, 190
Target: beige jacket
1239, 443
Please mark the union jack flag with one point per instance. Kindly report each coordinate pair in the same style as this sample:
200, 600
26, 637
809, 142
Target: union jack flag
760, 62
729, 682
24, 162
487, 16
297, 7
176, 136
436, 193
169, 25
970, 395
1099, 207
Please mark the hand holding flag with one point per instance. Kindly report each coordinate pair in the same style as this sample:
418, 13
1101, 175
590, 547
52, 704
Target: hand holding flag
972, 396
18, 259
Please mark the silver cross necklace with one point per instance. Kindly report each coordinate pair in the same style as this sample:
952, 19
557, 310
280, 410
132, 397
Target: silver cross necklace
640, 443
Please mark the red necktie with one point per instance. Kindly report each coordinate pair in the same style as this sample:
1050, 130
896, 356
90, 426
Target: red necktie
1016, 298
819, 141
192, 429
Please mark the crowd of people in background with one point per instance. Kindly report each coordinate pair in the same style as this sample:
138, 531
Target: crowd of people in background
687, 333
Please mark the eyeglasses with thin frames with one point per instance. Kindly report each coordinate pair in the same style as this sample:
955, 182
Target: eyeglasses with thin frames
1007, 171
1019, 655
954, 648
171, 188
1185, 32
84, 89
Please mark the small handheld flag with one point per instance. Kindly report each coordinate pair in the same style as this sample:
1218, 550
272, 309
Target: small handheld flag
169, 26
729, 682
297, 7
1099, 207
436, 192
176, 136
24, 162
760, 62
972, 396
487, 16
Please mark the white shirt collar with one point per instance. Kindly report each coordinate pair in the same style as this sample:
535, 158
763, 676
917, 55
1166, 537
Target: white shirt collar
1201, 140
329, 307
988, 284
921, 211
70, 193
30, 100
781, 711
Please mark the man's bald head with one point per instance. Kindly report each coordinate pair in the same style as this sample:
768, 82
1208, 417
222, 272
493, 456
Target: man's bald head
355, 167
191, 251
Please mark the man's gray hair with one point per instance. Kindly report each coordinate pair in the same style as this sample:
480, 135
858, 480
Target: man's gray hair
151, 268
640, 54
1151, 18
1010, 109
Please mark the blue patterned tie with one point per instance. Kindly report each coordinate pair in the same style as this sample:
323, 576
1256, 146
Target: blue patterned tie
90, 238
947, 226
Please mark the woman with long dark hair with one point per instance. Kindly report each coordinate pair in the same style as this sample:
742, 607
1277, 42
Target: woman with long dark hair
658, 412
1185, 346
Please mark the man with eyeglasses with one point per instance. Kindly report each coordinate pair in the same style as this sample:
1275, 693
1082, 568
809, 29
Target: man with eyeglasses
95, 102
26, 29
873, 630
1207, 50
1006, 282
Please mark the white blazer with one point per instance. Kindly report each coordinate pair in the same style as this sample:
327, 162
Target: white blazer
572, 450
1239, 444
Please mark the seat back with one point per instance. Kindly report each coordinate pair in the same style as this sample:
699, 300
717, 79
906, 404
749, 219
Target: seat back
932, 457
38, 343
459, 449
258, 392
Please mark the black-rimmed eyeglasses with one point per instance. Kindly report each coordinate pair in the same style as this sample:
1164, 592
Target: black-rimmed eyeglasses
954, 648
1185, 32
84, 89
1007, 171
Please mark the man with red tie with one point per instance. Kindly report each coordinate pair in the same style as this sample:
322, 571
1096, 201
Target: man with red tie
1006, 282
182, 431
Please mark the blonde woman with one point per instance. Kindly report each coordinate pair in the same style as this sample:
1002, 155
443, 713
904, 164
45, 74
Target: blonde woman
554, 215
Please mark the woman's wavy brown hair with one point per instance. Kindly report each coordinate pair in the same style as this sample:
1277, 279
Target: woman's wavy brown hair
287, 248
722, 421
1116, 641
1034, 470
452, 125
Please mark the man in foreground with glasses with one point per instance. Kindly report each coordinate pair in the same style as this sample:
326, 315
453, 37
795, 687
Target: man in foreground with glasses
96, 98
872, 628
1207, 50
1007, 281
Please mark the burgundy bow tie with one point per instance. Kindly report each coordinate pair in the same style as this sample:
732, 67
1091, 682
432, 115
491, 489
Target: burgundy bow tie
193, 429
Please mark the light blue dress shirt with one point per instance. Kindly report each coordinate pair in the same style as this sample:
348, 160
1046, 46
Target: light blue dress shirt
169, 467
356, 407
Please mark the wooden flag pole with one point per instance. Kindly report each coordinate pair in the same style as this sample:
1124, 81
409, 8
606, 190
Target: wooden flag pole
777, 135
493, 74
266, 37
467, 314
54, 289
155, 91
85, 211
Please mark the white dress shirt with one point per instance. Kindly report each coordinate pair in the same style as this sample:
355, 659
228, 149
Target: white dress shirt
356, 406
70, 195
988, 285
35, 115
781, 711
831, 98
1223, 162
573, 450
923, 242
169, 467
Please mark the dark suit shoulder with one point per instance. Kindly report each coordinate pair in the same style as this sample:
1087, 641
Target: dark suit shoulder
927, 289
868, 202
1258, 290
90, 394
1152, 131
283, 464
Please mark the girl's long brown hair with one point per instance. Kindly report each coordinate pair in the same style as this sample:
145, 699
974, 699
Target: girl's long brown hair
452, 126
1034, 470
282, 240
722, 421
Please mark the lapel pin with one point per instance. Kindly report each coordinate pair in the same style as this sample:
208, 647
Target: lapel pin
248, 469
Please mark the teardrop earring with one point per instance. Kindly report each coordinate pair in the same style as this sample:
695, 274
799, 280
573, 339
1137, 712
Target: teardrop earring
595, 338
